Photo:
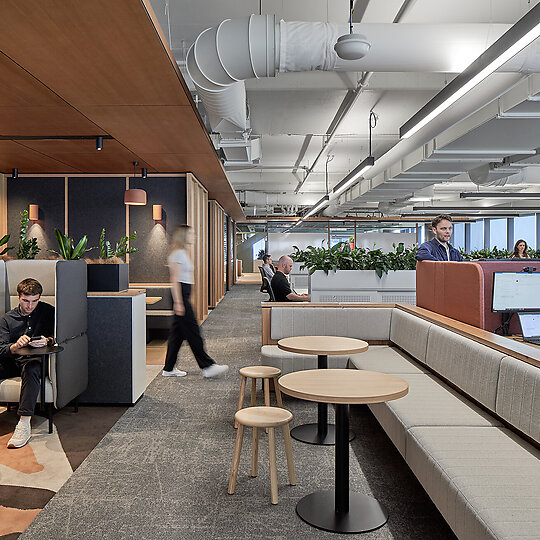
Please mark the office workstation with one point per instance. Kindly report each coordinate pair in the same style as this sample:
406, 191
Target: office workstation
333, 207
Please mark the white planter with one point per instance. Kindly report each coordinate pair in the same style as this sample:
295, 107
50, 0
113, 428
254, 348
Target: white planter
363, 286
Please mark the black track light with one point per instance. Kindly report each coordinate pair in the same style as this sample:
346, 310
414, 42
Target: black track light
99, 142
144, 173
15, 173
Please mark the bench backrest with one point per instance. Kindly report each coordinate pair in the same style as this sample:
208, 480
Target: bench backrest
361, 323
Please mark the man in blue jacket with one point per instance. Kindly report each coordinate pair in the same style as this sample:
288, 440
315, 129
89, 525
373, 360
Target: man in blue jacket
439, 249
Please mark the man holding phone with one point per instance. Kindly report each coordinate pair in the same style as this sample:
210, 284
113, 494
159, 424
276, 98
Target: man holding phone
31, 323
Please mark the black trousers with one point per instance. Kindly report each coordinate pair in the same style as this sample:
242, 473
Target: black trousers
29, 369
186, 328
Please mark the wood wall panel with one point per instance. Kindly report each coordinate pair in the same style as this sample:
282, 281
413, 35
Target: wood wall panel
216, 247
197, 217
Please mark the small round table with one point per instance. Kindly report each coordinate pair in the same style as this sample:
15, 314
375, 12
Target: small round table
320, 433
44, 352
342, 510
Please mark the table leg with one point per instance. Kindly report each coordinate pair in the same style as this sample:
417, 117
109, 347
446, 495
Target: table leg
320, 433
341, 510
43, 375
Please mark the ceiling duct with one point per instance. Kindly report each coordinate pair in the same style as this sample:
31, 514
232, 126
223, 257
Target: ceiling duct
258, 46
495, 174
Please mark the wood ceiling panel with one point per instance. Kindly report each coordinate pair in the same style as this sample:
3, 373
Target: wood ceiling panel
45, 121
91, 52
153, 129
19, 88
29, 161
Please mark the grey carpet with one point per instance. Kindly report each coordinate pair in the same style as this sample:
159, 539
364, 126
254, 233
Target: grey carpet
162, 470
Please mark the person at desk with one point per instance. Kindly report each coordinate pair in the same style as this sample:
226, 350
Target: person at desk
281, 286
28, 324
185, 324
439, 249
267, 267
520, 250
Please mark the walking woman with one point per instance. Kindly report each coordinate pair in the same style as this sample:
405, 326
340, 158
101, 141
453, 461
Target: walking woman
184, 324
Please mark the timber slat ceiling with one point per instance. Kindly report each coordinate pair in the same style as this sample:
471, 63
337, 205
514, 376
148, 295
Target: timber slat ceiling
99, 67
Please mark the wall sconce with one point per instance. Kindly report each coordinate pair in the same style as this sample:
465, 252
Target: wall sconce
157, 213
33, 212
135, 197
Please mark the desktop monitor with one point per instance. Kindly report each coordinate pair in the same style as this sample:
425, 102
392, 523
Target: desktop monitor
516, 291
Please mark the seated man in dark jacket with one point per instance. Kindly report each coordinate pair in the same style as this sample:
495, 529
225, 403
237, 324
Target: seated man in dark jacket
439, 249
281, 286
31, 321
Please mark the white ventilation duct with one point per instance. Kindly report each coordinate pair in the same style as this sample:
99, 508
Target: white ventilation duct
495, 175
257, 46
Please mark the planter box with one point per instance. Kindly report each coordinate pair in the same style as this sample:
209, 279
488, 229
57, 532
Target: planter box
363, 286
108, 277
299, 278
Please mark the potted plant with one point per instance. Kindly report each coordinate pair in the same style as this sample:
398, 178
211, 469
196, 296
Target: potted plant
3, 242
110, 272
345, 274
67, 249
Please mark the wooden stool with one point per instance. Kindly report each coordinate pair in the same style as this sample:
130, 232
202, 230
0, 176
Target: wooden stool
259, 372
263, 417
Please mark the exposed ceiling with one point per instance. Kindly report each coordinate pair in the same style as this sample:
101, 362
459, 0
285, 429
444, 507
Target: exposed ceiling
293, 113
89, 68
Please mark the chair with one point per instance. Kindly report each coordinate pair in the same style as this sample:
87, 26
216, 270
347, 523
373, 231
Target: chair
264, 287
64, 286
263, 417
269, 287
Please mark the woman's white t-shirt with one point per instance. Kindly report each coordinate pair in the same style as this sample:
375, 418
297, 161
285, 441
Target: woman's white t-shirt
181, 257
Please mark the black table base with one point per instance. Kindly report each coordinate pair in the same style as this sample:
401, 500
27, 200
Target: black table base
341, 510
365, 513
310, 434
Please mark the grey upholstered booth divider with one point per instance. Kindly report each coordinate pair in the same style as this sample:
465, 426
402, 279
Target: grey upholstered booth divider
64, 286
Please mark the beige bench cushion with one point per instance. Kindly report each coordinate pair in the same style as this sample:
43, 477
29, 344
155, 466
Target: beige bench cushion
428, 403
410, 333
471, 366
288, 362
484, 481
362, 323
386, 360
10, 390
518, 396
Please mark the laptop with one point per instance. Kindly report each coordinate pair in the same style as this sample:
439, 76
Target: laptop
530, 327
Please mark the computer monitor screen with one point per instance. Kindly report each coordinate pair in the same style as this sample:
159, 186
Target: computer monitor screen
530, 324
516, 291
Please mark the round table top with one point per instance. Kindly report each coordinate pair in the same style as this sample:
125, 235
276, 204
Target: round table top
323, 345
345, 386
39, 351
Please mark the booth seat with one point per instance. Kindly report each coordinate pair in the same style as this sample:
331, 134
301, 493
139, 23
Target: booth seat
64, 286
469, 428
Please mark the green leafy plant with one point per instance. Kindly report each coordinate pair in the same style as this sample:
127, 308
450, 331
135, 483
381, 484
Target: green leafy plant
28, 247
342, 257
3, 241
67, 249
495, 253
261, 254
106, 251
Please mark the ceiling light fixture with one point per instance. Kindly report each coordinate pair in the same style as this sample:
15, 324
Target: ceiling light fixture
521, 34
492, 195
99, 142
15, 173
144, 172
352, 46
135, 197
318, 206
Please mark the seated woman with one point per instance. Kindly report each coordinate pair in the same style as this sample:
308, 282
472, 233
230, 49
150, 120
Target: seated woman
520, 250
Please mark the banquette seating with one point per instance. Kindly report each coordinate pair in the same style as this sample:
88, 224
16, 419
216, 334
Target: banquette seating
64, 286
470, 426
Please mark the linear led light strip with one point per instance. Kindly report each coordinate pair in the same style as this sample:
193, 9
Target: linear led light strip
496, 55
356, 173
318, 206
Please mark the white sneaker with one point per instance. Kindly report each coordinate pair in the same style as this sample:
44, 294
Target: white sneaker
174, 373
215, 370
20, 436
